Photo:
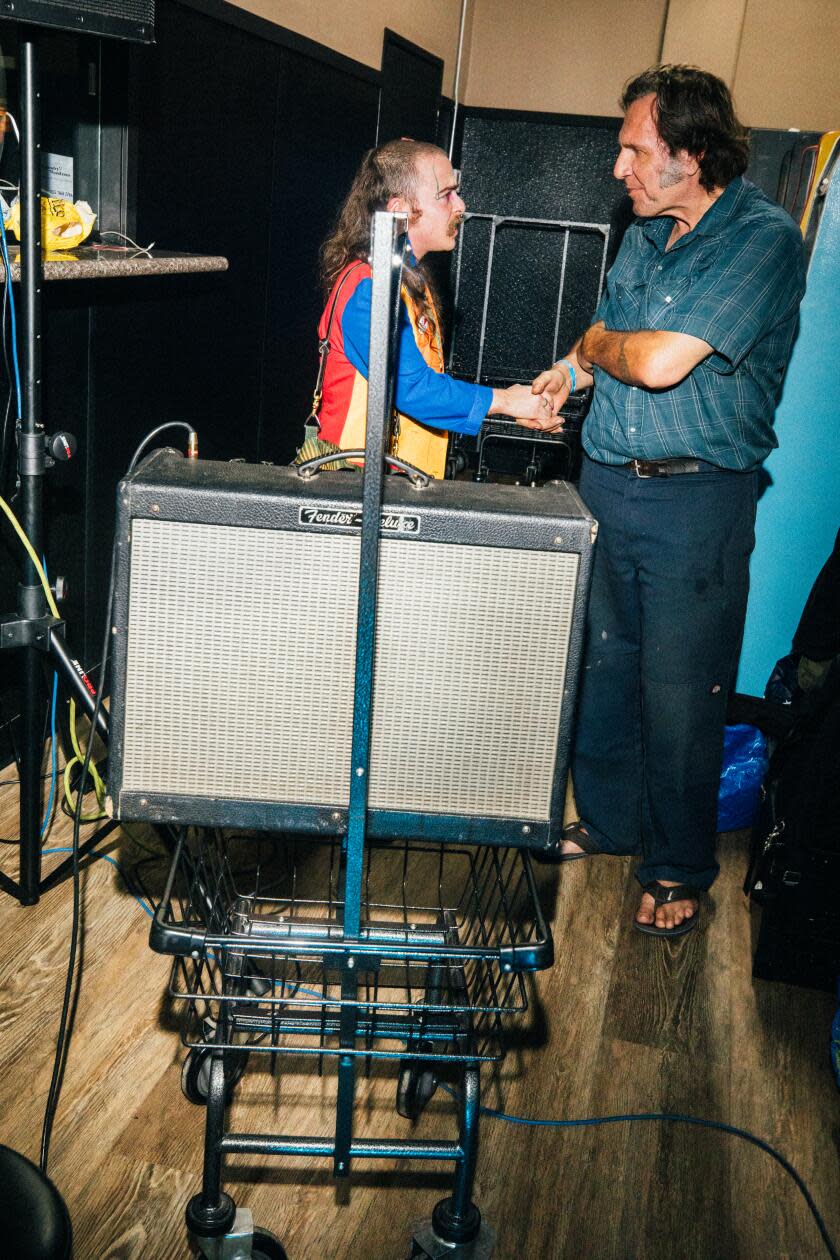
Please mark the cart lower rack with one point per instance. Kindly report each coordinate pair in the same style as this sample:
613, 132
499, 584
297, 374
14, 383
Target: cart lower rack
260, 964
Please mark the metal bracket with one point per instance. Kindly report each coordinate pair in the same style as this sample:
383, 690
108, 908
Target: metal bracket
32, 455
235, 1245
19, 632
435, 1248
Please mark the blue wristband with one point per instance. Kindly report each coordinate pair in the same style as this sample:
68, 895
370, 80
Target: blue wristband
572, 374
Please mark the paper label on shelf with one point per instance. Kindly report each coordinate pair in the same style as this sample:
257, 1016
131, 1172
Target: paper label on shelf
56, 175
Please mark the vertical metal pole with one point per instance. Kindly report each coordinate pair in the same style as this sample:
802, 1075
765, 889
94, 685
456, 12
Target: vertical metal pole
566, 236
470, 1109
386, 262
496, 220
31, 602
385, 299
457, 291
457, 91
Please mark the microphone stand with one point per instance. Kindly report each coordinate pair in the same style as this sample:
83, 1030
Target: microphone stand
32, 630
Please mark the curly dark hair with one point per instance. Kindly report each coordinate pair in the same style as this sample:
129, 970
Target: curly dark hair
694, 112
386, 172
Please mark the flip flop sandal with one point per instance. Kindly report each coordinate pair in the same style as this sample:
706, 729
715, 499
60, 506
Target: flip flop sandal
663, 896
577, 835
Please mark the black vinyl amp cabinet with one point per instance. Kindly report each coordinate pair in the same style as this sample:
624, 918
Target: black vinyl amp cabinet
234, 652
115, 19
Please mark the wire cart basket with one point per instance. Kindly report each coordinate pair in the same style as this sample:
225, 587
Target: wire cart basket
261, 965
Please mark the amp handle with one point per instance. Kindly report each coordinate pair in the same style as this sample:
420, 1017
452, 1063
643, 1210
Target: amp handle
310, 467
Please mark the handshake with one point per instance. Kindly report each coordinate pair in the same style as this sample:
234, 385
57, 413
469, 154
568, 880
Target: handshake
537, 406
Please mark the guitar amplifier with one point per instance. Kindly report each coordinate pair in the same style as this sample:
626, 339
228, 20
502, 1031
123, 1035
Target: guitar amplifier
234, 635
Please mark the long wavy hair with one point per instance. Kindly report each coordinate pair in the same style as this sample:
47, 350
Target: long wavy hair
387, 171
695, 112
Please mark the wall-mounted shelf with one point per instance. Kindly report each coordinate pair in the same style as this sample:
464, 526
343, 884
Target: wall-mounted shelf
97, 262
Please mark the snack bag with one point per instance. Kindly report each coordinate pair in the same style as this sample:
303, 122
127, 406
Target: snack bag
63, 224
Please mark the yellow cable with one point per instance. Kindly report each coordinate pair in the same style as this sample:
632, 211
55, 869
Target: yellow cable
53, 607
79, 759
21, 533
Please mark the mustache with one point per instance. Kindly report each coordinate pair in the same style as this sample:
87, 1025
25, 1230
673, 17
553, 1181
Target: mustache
456, 222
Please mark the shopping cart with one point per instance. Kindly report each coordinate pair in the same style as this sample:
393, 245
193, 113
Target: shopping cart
261, 965
382, 906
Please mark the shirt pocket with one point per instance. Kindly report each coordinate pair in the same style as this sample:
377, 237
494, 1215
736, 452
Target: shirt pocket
663, 299
627, 301
679, 293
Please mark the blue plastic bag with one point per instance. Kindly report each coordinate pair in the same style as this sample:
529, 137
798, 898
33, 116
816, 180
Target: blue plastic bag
744, 767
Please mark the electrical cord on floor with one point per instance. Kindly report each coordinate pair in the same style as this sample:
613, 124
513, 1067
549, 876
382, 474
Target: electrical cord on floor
106, 857
65, 1022
675, 1118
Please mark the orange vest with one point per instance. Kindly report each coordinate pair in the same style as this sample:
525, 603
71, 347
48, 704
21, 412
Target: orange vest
343, 413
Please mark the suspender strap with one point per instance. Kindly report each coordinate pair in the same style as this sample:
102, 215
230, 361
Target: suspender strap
324, 350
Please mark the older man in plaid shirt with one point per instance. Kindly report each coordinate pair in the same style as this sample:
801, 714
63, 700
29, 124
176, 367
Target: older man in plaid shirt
686, 353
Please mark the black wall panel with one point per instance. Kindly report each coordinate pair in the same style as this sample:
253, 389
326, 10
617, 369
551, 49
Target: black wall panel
411, 85
326, 120
541, 167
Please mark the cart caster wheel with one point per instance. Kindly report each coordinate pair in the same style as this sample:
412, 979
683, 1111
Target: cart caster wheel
416, 1086
267, 1246
195, 1074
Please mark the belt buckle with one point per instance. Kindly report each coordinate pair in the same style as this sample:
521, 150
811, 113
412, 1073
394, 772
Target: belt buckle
638, 464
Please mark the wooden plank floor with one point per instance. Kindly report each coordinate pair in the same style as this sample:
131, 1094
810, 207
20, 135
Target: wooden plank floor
620, 1024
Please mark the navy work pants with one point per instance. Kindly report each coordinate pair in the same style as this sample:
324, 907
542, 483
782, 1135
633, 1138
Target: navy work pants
666, 615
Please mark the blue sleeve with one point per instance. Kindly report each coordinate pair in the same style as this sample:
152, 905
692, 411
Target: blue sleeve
428, 396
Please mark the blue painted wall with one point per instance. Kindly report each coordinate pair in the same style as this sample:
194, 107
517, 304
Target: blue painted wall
799, 513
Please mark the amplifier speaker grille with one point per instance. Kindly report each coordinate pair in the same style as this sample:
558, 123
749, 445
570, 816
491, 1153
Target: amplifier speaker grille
455, 730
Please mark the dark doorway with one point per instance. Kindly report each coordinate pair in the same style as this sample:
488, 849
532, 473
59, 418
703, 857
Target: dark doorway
410, 93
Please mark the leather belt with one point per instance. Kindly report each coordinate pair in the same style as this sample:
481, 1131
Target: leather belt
666, 467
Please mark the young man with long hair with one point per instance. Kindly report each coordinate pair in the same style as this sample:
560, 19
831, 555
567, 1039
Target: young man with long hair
416, 179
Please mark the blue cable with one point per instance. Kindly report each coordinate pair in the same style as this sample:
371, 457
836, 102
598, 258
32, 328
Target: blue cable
672, 1117
4, 245
53, 759
106, 857
677, 1118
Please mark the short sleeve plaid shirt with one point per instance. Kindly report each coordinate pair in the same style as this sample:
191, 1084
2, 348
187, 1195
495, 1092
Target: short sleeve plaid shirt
735, 281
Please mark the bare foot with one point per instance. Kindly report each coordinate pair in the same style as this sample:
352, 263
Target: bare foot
668, 916
571, 836
571, 846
